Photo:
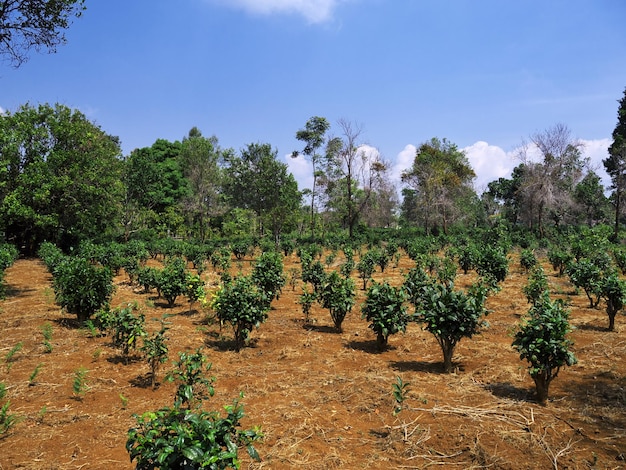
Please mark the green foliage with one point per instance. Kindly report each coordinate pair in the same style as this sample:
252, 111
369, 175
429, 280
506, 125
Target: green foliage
527, 259
221, 259
493, 264
241, 248
446, 270
79, 386
287, 245
416, 284
192, 384
9, 358
172, 280
560, 259
127, 328
194, 290
63, 180
366, 266
268, 274
541, 339
7, 419
619, 254
337, 295
242, 304
613, 291
384, 309
451, 315
537, 285
34, 374
468, 256
400, 392
156, 350
307, 299
148, 277
191, 439
588, 276
313, 272
51, 255
82, 288
46, 331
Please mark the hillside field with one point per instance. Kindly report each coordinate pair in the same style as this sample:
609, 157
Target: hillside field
322, 399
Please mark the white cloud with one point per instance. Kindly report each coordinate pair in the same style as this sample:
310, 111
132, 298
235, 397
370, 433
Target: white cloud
404, 160
2, 110
489, 162
315, 11
301, 169
597, 150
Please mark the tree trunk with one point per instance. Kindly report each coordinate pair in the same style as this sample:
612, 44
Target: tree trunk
611, 312
542, 385
448, 351
381, 341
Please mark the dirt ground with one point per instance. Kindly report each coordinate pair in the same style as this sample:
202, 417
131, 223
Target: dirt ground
323, 399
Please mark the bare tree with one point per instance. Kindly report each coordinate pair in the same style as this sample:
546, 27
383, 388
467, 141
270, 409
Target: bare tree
553, 165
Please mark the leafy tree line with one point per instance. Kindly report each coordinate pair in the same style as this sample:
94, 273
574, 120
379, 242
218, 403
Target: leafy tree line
64, 180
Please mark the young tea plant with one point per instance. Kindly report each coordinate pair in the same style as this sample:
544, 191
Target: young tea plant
400, 392
9, 359
127, 329
337, 295
306, 300
33, 376
7, 419
79, 386
155, 350
46, 331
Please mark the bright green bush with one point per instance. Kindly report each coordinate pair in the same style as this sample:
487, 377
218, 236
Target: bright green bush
172, 280
385, 310
268, 274
241, 304
82, 288
451, 315
337, 295
541, 339
184, 438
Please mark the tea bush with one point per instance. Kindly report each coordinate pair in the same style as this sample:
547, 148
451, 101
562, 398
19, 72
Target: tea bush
80, 287
385, 310
337, 295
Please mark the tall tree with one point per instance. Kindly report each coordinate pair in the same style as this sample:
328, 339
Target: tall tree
615, 163
256, 180
351, 173
34, 24
591, 201
441, 178
548, 184
60, 177
200, 159
313, 136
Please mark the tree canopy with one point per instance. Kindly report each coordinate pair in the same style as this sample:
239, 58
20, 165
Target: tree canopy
34, 24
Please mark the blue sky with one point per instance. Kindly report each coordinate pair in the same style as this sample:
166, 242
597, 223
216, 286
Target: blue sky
484, 74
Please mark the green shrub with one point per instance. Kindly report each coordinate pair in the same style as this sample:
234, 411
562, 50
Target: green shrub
337, 295
588, 276
541, 340
82, 288
241, 304
451, 315
537, 285
268, 274
527, 259
127, 328
314, 274
172, 280
493, 264
155, 350
366, 266
384, 309
185, 438
613, 291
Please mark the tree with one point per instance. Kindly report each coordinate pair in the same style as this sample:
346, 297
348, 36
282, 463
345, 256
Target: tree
60, 177
441, 178
547, 186
541, 340
589, 196
350, 174
615, 163
258, 181
155, 186
449, 314
200, 159
313, 137
34, 24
